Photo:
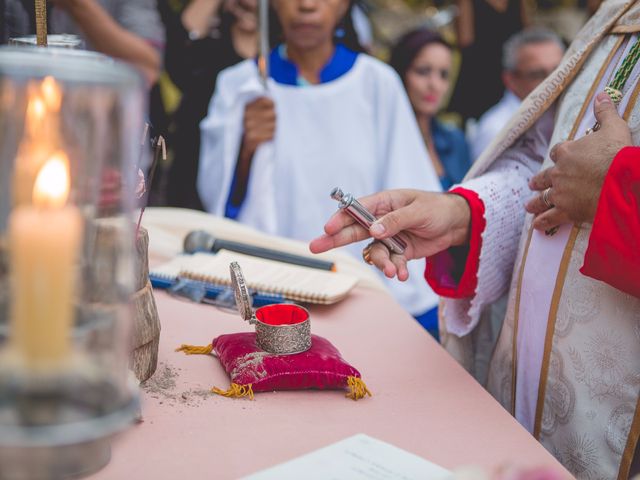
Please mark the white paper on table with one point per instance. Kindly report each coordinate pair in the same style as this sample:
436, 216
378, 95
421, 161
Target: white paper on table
360, 457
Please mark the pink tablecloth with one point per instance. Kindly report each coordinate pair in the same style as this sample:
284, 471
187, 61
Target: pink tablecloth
423, 401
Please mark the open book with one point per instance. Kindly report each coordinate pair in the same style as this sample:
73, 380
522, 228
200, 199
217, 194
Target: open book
301, 284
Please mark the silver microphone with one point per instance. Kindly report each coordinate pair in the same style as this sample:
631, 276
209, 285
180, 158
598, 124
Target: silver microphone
201, 241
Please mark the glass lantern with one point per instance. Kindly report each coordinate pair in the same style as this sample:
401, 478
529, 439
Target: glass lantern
70, 128
64, 40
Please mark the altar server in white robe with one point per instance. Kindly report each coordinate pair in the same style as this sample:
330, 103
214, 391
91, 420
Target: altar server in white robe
328, 117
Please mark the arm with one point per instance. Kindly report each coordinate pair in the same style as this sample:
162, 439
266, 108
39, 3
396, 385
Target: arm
192, 64
464, 23
259, 124
613, 254
503, 191
109, 37
222, 133
196, 17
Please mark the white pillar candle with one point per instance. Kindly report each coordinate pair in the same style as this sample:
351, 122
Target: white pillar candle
44, 241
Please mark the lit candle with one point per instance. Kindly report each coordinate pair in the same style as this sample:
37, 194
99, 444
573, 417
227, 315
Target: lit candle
44, 239
42, 126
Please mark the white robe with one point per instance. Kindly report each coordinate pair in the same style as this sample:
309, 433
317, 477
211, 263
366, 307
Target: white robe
567, 359
357, 132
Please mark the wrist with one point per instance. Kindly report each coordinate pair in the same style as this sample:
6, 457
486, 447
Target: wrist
461, 220
247, 149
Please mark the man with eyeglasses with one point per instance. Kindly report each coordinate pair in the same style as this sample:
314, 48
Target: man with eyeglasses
528, 57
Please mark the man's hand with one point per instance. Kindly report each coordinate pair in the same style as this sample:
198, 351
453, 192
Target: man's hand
429, 222
259, 125
576, 179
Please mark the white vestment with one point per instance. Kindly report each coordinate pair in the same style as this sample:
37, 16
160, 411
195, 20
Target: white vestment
357, 132
567, 360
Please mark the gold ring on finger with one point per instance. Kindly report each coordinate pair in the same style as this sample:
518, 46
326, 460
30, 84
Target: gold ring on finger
366, 254
545, 198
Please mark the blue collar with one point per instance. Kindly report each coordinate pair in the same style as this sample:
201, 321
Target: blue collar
284, 71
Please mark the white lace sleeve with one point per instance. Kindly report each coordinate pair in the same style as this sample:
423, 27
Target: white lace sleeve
503, 189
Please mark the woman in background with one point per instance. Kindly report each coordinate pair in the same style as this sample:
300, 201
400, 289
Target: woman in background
423, 60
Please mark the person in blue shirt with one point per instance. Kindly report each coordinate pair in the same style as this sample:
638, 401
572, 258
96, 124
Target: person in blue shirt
423, 60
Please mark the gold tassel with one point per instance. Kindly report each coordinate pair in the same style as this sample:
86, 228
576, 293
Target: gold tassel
357, 388
235, 391
195, 350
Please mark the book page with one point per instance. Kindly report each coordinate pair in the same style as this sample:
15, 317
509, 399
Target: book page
360, 457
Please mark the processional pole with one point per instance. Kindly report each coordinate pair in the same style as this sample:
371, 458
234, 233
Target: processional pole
263, 60
41, 23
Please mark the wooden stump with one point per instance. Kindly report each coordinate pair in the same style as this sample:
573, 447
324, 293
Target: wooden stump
146, 323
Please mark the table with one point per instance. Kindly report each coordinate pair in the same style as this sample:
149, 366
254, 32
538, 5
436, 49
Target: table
423, 401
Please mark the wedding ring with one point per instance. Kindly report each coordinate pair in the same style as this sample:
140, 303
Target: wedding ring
545, 198
366, 254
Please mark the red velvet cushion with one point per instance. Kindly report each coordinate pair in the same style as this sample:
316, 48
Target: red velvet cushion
320, 367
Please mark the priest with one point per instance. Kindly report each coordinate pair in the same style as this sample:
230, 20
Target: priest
566, 361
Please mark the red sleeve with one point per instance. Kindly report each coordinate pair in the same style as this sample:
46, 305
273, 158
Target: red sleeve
613, 254
454, 272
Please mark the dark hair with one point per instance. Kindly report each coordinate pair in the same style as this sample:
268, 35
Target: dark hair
409, 45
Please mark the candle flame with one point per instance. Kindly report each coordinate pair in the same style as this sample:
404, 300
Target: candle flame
51, 93
36, 110
45, 98
51, 188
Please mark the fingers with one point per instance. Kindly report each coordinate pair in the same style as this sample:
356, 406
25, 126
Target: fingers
341, 229
403, 218
377, 204
337, 222
537, 204
260, 104
541, 181
550, 219
380, 257
259, 122
260, 113
604, 110
559, 150
400, 263
391, 265
345, 236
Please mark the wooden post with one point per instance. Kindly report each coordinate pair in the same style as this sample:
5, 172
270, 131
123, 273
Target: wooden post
41, 23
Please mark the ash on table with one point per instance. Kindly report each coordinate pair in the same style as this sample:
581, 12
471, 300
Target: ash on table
162, 386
